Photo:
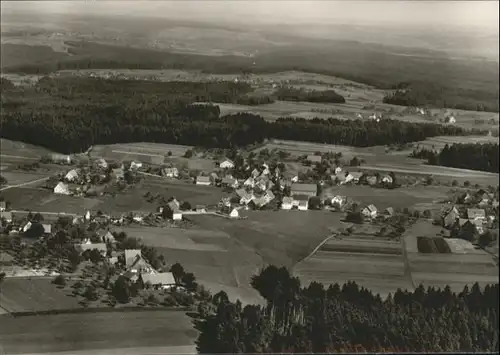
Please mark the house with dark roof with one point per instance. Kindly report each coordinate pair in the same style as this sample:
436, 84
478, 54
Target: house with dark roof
135, 263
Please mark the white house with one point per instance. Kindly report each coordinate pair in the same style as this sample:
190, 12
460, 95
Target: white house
87, 216
303, 205
250, 182
347, 178
170, 172
245, 197
226, 164
234, 213
287, 203
338, 201
135, 165
160, 280
26, 227
3, 206
294, 179
71, 175
370, 211
387, 179
62, 189
203, 180
356, 176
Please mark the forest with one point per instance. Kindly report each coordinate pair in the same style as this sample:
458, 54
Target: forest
483, 157
425, 95
70, 114
349, 318
291, 94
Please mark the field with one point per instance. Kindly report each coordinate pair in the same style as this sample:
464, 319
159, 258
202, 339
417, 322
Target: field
372, 262
129, 151
14, 149
34, 294
88, 331
464, 266
419, 197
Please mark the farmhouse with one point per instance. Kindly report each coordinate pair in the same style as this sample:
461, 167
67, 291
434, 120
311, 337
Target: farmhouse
314, 158
3, 206
170, 172
160, 280
203, 180
303, 205
173, 210
369, 211
135, 263
71, 175
255, 173
101, 247
245, 196
338, 201
356, 176
6, 215
106, 236
201, 209
226, 164
135, 165
476, 213
304, 189
287, 203
59, 158
389, 212
62, 189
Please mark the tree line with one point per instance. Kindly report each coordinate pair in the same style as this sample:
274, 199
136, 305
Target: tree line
350, 318
483, 157
70, 114
293, 94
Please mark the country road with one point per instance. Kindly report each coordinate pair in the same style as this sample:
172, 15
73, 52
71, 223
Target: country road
25, 184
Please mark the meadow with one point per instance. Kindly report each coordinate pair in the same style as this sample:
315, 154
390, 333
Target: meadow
89, 331
34, 294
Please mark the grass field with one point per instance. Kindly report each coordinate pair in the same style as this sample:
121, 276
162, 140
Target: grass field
13, 148
34, 294
136, 150
374, 263
66, 332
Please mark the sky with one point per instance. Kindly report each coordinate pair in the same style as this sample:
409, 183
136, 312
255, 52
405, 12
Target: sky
477, 15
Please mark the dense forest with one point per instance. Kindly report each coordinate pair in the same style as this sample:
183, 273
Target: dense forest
482, 157
70, 114
425, 95
457, 84
291, 94
349, 318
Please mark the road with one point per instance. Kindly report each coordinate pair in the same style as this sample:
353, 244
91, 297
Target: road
25, 184
18, 157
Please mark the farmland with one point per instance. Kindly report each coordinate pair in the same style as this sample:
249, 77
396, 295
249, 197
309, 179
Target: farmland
89, 331
33, 295
373, 262
464, 266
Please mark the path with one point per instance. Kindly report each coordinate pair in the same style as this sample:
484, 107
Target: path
315, 249
25, 184
406, 261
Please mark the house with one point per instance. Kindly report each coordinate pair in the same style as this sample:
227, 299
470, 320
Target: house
160, 280
369, 211
476, 213
135, 263
106, 236
387, 179
262, 182
303, 205
245, 196
287, 203
71, 175
231, 212
87, 216
450, 217
6, 215
389, 212
304, 189
201, 209
173, 210
47, 228
226, 164
294, 179
59, 158
338, 201
250, 182
26, 227
314, 158
135, 165
255, 173
101, 163
170, 172
118, 173
356, 176
3, 206
337, 170
62, 189
230, 181
214, 178
203, 180
347, 178
101, 247
450, 119
269, 196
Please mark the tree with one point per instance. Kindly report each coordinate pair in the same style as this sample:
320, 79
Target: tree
36, 231
60, 280
2, 278
185, 206
121, 290
177, 271
188, 154
189, 281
